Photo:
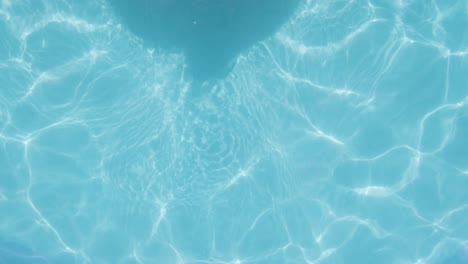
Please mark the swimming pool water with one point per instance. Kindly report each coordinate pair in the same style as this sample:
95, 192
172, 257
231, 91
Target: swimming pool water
336, 132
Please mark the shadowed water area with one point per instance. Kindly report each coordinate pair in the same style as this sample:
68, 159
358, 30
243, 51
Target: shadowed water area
211, 33
338, 137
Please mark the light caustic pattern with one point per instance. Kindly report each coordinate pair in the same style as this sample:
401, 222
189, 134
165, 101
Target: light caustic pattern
340, 139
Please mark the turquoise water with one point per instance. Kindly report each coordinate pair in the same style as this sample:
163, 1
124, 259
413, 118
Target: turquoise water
210, 33
335, 132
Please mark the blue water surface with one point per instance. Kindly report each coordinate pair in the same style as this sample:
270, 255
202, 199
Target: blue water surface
319, 131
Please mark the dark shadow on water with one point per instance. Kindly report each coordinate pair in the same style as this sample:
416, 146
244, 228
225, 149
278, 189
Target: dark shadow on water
211, 33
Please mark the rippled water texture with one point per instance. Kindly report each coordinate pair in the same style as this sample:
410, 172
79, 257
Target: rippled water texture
210, 32
339, 136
